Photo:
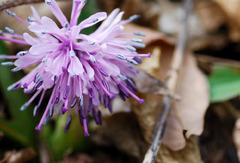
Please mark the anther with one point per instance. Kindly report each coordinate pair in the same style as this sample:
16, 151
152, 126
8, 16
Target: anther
9, 12
14, 87
66, 25
131, 48
139, 34
24, 106
44, 60
134, 17
68, 123
92, 58
21, 53
51, 110
44, 32
72, 53
137, 40
123, 78
132, 61
121, 57
49, 2
9, 30
16, 69
95, 20
74, 102
2, 57
30, 19
139, 45
91, 42
7, 63
37, 77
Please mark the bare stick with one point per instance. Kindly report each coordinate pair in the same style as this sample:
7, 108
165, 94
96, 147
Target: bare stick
5, 4
171, 84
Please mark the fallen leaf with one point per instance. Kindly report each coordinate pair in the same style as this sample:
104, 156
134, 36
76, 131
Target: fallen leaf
21, 156
192, 88
236, 137
232, 11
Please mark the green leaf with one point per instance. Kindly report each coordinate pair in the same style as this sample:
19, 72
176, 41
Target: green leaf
59, 142
87, 11
224, 83
20, 126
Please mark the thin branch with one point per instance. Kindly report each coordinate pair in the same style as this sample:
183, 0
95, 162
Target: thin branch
171, 84
5, 4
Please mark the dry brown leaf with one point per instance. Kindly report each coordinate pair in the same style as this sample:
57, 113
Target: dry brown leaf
121, 130
232, 10
236, 137
192, 87
21, 156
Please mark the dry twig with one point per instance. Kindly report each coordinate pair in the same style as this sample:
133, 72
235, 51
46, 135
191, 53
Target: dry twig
5, 4
171, 84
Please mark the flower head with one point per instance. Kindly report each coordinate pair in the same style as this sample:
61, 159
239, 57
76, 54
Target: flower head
81, 71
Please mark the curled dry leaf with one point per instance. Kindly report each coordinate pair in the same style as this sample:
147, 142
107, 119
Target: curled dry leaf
192, 87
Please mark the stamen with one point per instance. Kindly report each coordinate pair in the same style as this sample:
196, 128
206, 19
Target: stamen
100, 117
72, 53
131, 48
14, 87
9, 30
66, 25
30, 19
103, 72
9, 12
49, 2
91, 42
37, 77
74, 102
95, 116
128, 91
68, 123
121, 57
35, 111
24, 106
66, 92
134, 17
85, 128
92, 58
110, 106
139, 45
22, 53
51, 110
137, 40
104, 88
81, 101
90, 104
46, 110
123, 78
96, 85
7, 63
57, 94
132, 61
139, 34
16, 69
14, 40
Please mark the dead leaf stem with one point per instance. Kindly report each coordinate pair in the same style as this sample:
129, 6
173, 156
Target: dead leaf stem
5, 4
171, 84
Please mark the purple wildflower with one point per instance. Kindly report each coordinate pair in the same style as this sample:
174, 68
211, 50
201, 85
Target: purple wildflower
82, 71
